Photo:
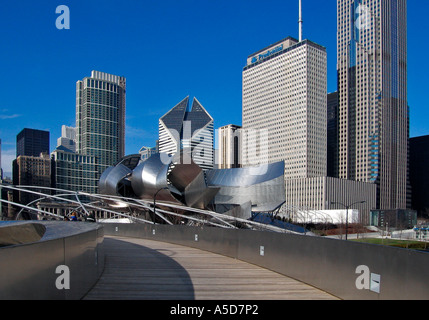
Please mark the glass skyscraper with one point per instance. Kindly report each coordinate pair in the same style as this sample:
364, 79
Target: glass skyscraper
100, 118
372, 96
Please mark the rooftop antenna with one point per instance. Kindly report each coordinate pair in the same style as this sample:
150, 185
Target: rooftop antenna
300, 20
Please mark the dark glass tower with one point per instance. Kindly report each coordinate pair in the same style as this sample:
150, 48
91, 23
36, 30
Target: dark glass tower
332, 135
32, 142
419, 174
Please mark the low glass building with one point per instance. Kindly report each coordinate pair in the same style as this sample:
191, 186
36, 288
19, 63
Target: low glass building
393, 219
75, 172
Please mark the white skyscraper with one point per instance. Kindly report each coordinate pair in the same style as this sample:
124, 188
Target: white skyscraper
68, 138
229, 143
284, 92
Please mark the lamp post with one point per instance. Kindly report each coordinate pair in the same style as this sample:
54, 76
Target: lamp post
154, 203
347, 213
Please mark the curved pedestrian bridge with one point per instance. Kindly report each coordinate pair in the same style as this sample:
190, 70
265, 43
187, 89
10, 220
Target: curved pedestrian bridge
71, 260
151, 270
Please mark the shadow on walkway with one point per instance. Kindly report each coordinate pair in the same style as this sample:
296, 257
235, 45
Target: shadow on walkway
133, 271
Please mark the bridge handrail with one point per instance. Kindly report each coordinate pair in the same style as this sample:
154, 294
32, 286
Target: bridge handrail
62, 263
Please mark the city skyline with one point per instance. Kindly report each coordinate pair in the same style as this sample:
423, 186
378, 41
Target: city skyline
160, 66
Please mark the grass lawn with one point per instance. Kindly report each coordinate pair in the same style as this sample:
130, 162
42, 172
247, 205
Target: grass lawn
409, 244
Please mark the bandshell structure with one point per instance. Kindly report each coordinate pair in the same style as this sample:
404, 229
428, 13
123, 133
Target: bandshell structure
177, 179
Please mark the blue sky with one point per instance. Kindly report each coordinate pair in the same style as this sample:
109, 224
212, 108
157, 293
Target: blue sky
167, 50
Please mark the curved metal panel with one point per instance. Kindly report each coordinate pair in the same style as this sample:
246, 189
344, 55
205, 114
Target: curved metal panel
29, 269
166, 177
243, 177
263, 186
183, 171
102, 183
179, 179
20, 233
197, 194
265, 197
110, 178
243, 211
150, 177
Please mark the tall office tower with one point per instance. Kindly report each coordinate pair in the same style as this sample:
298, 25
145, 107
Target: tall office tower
332, 155
32, 171
68, 138
229, 143
284, 92
372, 88
32, 166
100, 118
189, 131
32, 142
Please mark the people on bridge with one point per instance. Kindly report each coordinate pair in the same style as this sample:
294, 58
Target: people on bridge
73, 216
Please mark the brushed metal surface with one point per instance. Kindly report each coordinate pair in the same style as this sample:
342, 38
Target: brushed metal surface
179, 179
28, 271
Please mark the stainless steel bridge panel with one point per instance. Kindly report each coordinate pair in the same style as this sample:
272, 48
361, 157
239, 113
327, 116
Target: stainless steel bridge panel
327, 264
29, 265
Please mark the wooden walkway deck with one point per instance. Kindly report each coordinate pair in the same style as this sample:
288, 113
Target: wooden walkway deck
149, 270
